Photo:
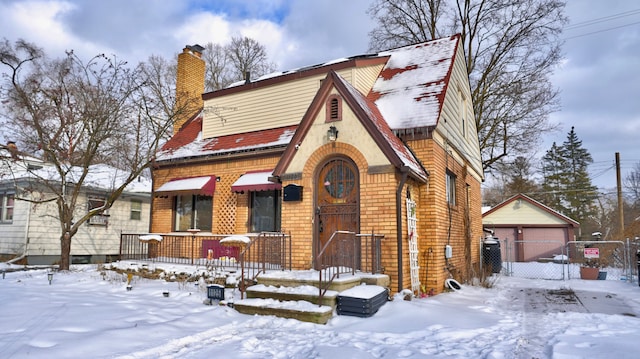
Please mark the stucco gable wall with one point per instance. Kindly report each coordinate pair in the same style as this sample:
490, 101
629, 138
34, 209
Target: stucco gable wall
274, 106
351, 132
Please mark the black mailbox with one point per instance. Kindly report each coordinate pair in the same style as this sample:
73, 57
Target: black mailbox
292, 192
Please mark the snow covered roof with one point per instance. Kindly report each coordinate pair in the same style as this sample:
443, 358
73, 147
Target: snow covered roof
99, 177
408, 93
188, 142
410, 89
405, 156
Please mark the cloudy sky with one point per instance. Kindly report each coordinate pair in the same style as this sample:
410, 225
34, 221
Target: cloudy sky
599, 79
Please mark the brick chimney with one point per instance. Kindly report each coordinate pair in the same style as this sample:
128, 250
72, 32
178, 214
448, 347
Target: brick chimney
189, 84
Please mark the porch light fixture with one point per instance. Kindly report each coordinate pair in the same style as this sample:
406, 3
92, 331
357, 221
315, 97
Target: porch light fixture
50, 277
332, 134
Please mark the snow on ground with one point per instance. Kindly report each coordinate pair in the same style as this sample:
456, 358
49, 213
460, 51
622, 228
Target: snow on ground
85, 313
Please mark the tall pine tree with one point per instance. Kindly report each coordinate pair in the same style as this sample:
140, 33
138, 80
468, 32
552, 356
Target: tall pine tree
566, 179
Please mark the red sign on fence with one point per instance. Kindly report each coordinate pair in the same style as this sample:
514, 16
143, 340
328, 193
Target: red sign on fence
592, 252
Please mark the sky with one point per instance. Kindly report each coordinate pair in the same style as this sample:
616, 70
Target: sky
598, 77
87, 312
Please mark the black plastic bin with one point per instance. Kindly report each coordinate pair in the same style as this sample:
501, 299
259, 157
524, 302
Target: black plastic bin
491, 255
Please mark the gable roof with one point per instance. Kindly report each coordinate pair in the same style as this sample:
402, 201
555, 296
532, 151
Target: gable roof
367, 113
408, 93
535, 203
411, 87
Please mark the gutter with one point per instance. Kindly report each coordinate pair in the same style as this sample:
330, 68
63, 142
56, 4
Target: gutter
405, 173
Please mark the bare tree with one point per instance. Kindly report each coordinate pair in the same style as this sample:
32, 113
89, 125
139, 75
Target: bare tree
79, 114
632, 185
246, 55
511, 48
228, 64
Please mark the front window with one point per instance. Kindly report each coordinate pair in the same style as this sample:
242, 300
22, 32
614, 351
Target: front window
265, 211
193, 211
7, 201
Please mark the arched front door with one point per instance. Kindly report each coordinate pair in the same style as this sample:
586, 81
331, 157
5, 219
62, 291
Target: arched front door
337, 198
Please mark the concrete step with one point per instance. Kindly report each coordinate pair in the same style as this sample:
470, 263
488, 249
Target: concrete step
300, 278
300, 310
303, 292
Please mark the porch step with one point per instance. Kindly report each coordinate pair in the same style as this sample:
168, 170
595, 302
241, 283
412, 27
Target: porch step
303, 292
301, 278
295, 295
300, 310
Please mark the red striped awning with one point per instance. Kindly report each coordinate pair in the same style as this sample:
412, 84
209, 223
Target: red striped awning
255, 181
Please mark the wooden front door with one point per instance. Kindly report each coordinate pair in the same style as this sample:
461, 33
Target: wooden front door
337, 198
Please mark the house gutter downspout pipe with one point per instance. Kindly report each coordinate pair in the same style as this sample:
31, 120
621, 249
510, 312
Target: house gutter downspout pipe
405, 172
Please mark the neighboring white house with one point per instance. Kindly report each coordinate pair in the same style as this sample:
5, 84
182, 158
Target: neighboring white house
32, 230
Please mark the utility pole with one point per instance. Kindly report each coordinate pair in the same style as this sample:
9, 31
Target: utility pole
620, 203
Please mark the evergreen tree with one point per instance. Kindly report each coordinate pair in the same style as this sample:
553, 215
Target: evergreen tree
566, 182
553, 167
579, 193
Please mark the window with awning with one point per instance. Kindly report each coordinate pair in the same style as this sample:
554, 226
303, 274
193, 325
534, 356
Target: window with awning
204, 185
255, 181
264, 200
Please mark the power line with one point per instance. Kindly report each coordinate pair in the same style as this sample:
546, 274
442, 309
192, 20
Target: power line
600, 20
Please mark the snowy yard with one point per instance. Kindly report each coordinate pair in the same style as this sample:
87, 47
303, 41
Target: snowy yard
86, 314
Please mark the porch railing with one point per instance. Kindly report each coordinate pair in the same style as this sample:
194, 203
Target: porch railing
347, 252
267, 251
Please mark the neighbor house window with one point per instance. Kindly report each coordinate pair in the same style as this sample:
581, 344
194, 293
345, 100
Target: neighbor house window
7, 201
136, 209
193, 211
451, 188
99, 219
265, 211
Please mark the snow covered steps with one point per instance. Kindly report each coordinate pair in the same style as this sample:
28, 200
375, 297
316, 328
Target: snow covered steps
295, 295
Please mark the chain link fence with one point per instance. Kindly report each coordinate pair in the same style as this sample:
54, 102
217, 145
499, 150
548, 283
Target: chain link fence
559, 260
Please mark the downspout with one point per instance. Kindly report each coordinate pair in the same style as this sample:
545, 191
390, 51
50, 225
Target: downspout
405, 172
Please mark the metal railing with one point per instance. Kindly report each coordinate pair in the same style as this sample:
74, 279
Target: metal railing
178, 248
347, 252
267, 251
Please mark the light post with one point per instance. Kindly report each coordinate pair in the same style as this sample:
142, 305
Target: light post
50, 277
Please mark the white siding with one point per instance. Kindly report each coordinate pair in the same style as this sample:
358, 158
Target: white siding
12, 235
463, 137
45, 232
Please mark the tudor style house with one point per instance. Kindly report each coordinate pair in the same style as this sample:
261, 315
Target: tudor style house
380, 143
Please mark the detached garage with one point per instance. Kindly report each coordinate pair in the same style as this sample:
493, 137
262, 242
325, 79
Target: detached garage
533, 231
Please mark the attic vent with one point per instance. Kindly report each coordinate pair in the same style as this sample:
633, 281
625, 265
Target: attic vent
334, 108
